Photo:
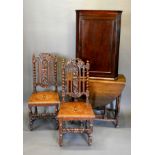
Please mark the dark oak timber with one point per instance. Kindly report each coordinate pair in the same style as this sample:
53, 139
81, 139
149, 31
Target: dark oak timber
97, 40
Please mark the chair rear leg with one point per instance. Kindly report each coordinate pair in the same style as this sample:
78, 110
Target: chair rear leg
36, 110
56, 120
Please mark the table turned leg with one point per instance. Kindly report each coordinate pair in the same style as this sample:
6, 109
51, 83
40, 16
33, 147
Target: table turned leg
117, 111
60, 133
90, 132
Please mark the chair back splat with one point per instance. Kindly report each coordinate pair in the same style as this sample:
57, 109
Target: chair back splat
75, 77
44, 71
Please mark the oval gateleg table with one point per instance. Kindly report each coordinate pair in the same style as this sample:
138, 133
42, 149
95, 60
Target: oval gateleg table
105, 95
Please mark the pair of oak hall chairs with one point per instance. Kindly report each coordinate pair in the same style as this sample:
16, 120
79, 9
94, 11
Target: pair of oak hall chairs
72, 109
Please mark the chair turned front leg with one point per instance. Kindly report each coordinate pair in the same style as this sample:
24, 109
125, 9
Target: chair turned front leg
60, 133
90, 132
30, 119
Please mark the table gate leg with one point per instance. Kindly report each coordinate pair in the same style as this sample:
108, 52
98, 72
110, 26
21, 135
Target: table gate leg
117, 111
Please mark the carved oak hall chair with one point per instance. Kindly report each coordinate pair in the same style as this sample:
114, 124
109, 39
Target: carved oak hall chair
45, 76
75, 76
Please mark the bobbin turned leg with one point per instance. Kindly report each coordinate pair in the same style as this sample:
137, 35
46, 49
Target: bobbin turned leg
30, 118
60, 133
90, 132
117, 111
56, 120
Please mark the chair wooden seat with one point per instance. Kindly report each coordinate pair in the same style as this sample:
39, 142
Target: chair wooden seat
76, 111
46, 98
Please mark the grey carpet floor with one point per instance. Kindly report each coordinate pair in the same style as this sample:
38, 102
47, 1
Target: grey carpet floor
107, 140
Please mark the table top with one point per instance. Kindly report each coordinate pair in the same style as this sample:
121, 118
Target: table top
120, 80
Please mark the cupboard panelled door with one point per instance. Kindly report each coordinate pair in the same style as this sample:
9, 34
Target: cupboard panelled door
97, 40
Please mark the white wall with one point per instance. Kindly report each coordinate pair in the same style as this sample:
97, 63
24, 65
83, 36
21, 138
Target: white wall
49, 25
